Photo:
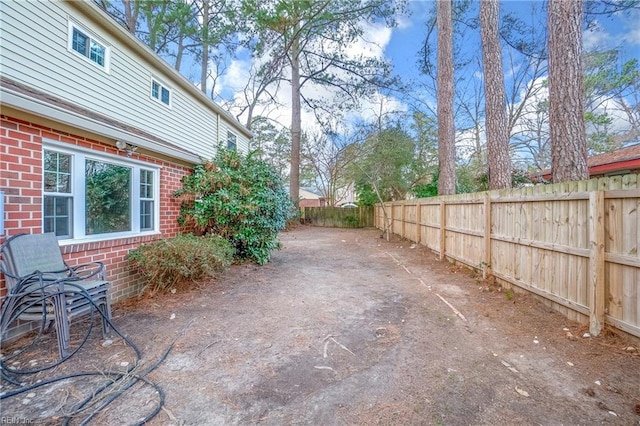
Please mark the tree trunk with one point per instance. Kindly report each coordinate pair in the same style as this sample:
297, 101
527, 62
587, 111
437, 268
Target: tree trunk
204, 63
498, 158
566, 91
296, 122
179, 52
130, 15
249, 120
446, 130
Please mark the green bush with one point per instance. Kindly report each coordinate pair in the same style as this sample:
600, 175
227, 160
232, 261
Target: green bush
351, 221
239, 198
169, 262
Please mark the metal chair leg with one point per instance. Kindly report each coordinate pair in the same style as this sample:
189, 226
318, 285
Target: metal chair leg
106, 310
62, 326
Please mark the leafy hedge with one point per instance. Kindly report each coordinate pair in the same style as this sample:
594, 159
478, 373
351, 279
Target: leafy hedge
169, 262
239, 198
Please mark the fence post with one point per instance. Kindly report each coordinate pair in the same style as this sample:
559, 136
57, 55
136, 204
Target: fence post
418, 222
443, 232
403, 213
375, 216
596, 261
486, 270
390, 231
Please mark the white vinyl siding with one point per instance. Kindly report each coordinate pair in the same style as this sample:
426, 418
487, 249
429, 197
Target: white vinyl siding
37, 33
242, 142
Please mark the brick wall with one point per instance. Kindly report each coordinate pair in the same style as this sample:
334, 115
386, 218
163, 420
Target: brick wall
318, 202
21, 181
21, 175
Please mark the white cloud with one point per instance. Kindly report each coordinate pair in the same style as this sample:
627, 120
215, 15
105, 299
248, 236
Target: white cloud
373, 41
633, 37
630, 23
372, 45
379, 105
596, 37
403, 22
626, 33
531, 112
237, 74
466, 143
613, 109
533, 120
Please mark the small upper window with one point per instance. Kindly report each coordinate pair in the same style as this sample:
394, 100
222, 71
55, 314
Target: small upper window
160, 92
81, 42
231, 141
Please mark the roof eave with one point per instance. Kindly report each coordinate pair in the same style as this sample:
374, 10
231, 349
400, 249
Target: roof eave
39, 108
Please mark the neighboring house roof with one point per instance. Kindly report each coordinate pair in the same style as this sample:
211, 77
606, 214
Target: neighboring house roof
619, 160
309, 194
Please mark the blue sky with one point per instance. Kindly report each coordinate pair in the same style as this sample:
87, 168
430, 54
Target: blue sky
402, 44
622, 32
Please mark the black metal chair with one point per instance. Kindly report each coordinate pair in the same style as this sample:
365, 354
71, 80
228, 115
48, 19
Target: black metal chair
42, 287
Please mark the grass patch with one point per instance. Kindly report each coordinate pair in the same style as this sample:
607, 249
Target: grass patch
509, 294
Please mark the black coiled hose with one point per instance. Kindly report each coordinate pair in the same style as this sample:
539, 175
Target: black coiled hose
35, 290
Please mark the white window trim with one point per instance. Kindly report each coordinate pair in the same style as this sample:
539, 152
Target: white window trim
107, 48
154, 184
79, 155
235, 140
162, 85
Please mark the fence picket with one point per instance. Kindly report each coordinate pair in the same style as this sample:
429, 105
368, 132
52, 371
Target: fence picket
575, 244
596, 261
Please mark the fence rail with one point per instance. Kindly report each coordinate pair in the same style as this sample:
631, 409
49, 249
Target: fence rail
338, 217
575, 244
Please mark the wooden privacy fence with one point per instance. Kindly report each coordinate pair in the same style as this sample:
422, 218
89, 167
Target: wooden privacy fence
338, 217
575, 244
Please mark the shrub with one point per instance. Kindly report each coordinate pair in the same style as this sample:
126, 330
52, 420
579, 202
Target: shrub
240, 198
351, 221
169, 262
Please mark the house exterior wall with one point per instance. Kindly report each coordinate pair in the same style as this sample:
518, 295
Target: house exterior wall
21, 177
55, 100
313, 202
242, 141
310, 199
35, 51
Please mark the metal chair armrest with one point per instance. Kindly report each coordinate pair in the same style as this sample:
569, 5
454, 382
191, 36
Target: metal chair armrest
95, 270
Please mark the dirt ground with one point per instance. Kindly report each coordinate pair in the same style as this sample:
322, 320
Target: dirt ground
345, 328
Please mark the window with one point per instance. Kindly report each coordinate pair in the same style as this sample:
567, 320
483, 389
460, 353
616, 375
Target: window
88, 196
57, 183
146, 200
160, 93
107, 198
81, 42
231, 141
